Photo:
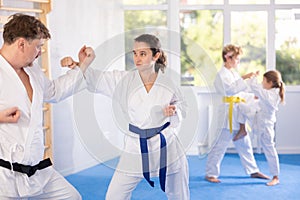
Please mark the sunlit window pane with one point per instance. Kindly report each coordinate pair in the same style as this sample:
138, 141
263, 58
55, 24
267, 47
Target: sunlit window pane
249, 31
144, 2
287, 1
249, 1
200, 2
139, 22
201, 44
288, 45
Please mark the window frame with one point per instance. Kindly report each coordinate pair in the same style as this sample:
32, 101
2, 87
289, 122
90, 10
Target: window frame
173, 8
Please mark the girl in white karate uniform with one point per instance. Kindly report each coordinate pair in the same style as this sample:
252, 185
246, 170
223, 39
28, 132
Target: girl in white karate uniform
151, 104
270, 94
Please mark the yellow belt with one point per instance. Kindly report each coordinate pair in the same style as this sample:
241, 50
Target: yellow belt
231, 100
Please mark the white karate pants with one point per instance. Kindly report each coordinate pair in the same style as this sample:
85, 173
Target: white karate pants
267, 139
177, 185
243, 147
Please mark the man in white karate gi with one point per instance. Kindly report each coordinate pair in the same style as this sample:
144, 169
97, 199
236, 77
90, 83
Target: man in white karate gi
24, 174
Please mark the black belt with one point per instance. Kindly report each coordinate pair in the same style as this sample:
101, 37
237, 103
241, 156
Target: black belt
26, 169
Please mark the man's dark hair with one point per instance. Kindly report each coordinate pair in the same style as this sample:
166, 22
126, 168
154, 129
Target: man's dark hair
24, 26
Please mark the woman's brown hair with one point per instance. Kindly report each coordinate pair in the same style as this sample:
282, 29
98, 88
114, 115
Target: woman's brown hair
155, 47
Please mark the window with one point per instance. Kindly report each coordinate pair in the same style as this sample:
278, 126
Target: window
287, 1
142, 21
258, 26
197, 2
249, 2
144, 2
287, 45
201, 41
248, 30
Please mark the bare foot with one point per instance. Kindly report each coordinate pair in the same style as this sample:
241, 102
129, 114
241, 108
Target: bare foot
273, 182
212, 179
259, 175
239, 135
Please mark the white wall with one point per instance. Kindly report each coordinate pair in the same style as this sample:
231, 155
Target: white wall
74, 23
287, 129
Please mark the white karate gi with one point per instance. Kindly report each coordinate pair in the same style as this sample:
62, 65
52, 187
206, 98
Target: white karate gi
23, 142
266, 118
246, 113
229, 83
134, 105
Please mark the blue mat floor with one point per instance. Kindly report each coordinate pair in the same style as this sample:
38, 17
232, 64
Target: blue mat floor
92, 183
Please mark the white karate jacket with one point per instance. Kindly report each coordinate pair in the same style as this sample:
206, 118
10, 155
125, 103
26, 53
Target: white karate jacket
230, 83
132, 104
269, 101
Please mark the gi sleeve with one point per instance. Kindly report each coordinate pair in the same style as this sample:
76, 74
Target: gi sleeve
64, 86
267, 96
103, 82
181, 108
225, 86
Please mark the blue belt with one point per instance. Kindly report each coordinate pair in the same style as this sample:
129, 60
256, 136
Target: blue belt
144, 135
